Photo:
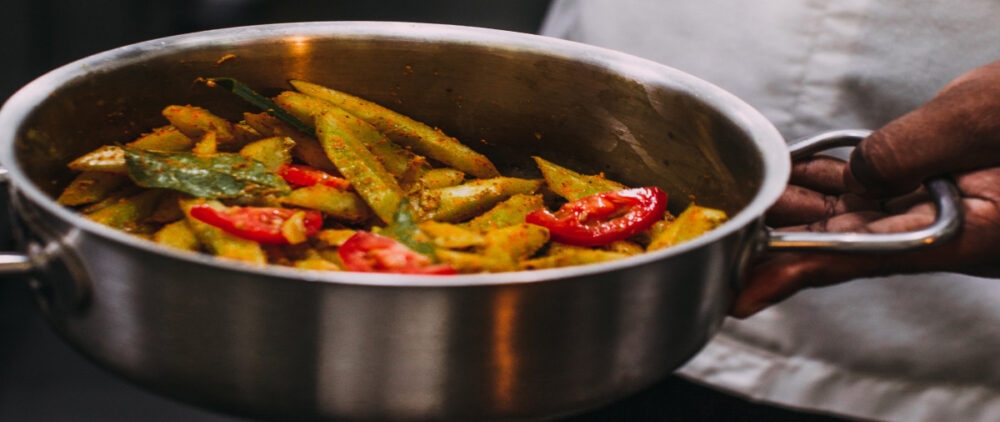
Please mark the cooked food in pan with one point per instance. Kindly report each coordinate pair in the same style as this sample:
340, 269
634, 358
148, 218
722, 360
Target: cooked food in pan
320, 179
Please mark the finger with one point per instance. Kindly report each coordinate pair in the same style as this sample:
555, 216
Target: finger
981, 184
918, 217
854, 222
819, 173
985, 74
798, 205
902, 203
958, 130
871, 222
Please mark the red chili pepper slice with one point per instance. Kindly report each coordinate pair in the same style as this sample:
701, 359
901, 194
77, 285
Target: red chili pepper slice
604, 217
369, 252
260, 224
302, 175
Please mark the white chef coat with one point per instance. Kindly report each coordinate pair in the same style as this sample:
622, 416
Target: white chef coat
921, 347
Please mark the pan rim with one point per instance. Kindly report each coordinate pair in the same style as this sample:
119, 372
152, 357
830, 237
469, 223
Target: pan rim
776, 161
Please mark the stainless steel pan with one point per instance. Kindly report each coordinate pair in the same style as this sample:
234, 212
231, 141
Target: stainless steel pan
281, 343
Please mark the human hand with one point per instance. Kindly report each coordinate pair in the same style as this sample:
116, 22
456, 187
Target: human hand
957, 133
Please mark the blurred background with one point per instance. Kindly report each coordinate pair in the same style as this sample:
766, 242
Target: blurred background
40, 35
42, 379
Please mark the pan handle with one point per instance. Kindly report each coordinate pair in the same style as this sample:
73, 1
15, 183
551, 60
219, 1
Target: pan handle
942, 189
11, 263
15, 264
49, 265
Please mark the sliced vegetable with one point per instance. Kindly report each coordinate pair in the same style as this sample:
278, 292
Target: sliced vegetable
464, 262
168, 208
510, 245
195, 122
207, 145
397, 160
108, 158
265, 225
451, 236
439, 178
603, 218
178, 235
694, 221
273, 152
307, 148
164, 138
127, 213
314, 261
329, 238
112, 198
507, 213
572, 185
462, 202
302, 175
423, 139
365, 172
89, 187
219, 242
497, 250
570, 257
339, 204
369, 252
624, 246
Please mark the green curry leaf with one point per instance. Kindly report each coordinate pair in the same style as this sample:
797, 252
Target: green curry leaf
223, 175
262, 102
404, 229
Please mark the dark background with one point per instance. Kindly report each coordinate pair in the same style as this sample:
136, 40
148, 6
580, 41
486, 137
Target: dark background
42, 379
38, 35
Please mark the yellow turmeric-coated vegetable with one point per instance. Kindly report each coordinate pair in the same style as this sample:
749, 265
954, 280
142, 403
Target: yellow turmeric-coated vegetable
692, 222
365, 172
321, 180
406, 131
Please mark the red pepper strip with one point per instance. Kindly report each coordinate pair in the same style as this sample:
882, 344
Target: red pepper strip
260, 224
369, 252
604, 217
301, 175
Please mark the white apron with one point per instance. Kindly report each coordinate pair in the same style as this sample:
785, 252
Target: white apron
907, 348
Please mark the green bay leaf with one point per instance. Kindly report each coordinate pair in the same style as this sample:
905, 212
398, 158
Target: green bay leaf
224, 175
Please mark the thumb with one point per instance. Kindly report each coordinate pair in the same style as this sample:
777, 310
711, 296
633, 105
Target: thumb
958, 130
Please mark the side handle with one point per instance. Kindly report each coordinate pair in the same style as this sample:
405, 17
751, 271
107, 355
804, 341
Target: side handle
53, 271
11, 263
943, 192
